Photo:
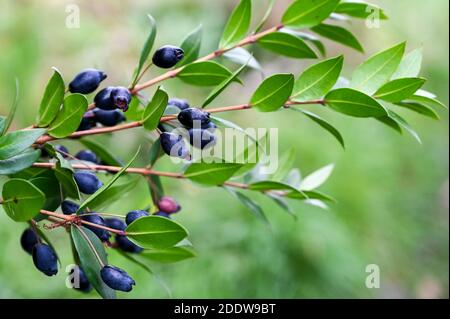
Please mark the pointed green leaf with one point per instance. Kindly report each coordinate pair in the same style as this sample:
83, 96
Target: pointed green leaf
211, 173
146, 49
273, 92
21, 199
169, 255
265, 17
106, 156
404, 124
317, 178
354, 103
68, 119
410, 65
155, 232
308, 13
207, 73
191, 46
338, 34
19, 162
317, 80
49, 185
264, 186
5, 123
360, 10
251, 205
155, 110
399, 89
16, 142
427, 100
420, 108
377, 70
52, 99
237, 25
242, 56
287, 44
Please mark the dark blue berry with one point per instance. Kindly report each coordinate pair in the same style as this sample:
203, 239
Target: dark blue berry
121, 98
167, 56
86, 123
135, 214
179, 103
98, 220
173, 145
201, 139
84, 284
109, 118
209, 126
117, 278
87, 81
87, 182
28, 240
68, 207
127, 245
61, 150
103, 99
45, 259
162, 214
192, 116
168, 205
115, 223
88, 156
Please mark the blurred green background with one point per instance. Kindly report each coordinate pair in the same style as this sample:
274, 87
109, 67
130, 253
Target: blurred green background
392, 193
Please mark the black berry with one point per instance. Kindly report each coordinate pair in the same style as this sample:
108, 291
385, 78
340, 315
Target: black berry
87, 81
135, 214
121, 98
88, 156
167, 56
87, 182
117, 278
103, 99
28, 240
115, 223
179, 103
61, 150
86, 123
68, 207
168, 205
98, 220
109, 118
173, 145
84, 284
202, 139
192, 116
45, 259
127, 245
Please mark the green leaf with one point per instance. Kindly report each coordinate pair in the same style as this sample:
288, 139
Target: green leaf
135, 111
338, 34
155, 187
410, 65
88, 247
52, 99
317, 178
391, 123
307, 37
251, 205
64, 174
242, 56
21, 199
155, 232
354, 103
273, 92
285, 163
317, 80
206, 73
102, 152
399, 89
265, 186
287, 44
49, 185
265, 17
19, 162
191, 46
404, 124
324, 124
427, 100
222, 86
309, 195
147, 48
420, 108
106, 186
377, 70
155, 109
237, 25
308, 13
155, 152
211, 173
360, 10
169, 255
16, 142
68, 119
5, 123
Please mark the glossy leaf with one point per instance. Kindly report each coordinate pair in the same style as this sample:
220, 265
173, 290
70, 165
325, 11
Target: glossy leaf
324, 124
286, 44
273, 92
377, 70
237, 25
106, 156
169, 255
52, 99
155, 232
49, 185
265, 17
252, 206
308, 13
420, 108
107, 185
354, 103
427, 100
147, 48
21, 199
317, 178
5, 123
264, 186
360, 10
155, 110
19, 162
191, 46
207, 73
410, 65
65, 177
16, 142
317, 80
307, 37
282, 203
404, 124
68, 119
399, 89
338, 34
88, 247
211, 173
242, 56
